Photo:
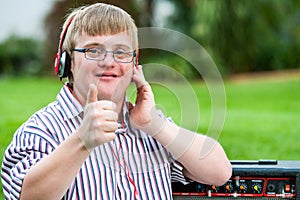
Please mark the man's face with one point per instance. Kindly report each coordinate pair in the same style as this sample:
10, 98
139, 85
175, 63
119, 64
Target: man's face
111, 78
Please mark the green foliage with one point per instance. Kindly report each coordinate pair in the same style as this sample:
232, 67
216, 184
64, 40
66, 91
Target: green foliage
20, 56
244, 36
167, 59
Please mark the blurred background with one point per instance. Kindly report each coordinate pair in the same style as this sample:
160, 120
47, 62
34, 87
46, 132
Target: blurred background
255, 45
241, 36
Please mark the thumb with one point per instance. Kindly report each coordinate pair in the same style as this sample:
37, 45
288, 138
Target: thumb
92, 94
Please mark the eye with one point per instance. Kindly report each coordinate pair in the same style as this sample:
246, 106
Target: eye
119, 52
95, 53
96, 50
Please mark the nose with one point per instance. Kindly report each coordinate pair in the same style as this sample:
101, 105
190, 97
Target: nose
108, 59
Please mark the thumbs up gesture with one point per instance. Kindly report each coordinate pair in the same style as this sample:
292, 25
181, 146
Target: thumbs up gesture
99, 121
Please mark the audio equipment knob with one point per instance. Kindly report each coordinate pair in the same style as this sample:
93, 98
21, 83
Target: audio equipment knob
242, 187
214, 188
228, 187
257, 188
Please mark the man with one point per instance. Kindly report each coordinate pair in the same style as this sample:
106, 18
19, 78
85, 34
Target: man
93, 144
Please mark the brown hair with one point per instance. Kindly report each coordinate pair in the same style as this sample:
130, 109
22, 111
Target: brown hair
97, 19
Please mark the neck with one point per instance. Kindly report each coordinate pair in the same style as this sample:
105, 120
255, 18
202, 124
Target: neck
119, 110
82, 101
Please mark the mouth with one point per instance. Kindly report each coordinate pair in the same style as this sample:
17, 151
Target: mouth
107, 75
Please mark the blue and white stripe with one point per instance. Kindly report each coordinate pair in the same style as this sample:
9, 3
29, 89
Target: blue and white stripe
106, 172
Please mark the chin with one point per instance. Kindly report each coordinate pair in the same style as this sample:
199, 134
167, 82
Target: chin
111, 95
113, 92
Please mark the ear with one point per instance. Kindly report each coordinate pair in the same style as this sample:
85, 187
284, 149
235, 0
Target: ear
136, 60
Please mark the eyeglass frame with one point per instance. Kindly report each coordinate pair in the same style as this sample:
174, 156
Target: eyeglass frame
85, 50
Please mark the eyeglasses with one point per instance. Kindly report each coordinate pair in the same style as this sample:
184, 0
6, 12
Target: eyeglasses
99, 54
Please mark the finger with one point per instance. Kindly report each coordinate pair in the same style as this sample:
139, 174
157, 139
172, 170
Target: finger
92, 94
138, 71
138, 76
110, 136
106, 137
110, 115
107, 105
109, 126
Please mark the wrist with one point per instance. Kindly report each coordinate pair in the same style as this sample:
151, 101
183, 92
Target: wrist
83, 146
156, 125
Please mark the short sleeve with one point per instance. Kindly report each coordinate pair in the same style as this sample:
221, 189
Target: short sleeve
177, 173
29, 146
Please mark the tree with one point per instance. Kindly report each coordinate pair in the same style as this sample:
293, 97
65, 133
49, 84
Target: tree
20, 56
256, 35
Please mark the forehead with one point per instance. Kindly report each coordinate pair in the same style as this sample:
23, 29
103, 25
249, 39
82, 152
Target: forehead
108, 41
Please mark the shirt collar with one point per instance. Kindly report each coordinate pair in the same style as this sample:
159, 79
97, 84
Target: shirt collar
71, 107
69, 104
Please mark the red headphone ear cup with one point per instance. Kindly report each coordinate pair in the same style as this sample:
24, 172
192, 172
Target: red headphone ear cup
57, 63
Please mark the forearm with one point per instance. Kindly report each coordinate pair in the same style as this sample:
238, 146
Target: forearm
203, 158
51, 177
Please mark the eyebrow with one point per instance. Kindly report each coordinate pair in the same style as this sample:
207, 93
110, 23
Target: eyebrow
96, 44
93, 45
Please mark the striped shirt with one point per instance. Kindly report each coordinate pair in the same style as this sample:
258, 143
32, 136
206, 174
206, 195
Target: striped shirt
133, 166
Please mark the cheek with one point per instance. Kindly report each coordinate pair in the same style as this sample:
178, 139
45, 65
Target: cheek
81, 71
126, 79
128, 72
77, 61
73, 68
74, 65
127, 69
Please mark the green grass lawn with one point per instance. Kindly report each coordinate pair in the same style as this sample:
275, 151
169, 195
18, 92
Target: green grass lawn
263, 120
262, 116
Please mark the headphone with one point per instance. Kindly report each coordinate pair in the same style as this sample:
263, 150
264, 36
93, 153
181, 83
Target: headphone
62, 63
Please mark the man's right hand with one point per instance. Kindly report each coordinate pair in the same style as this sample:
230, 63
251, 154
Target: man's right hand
99, 121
